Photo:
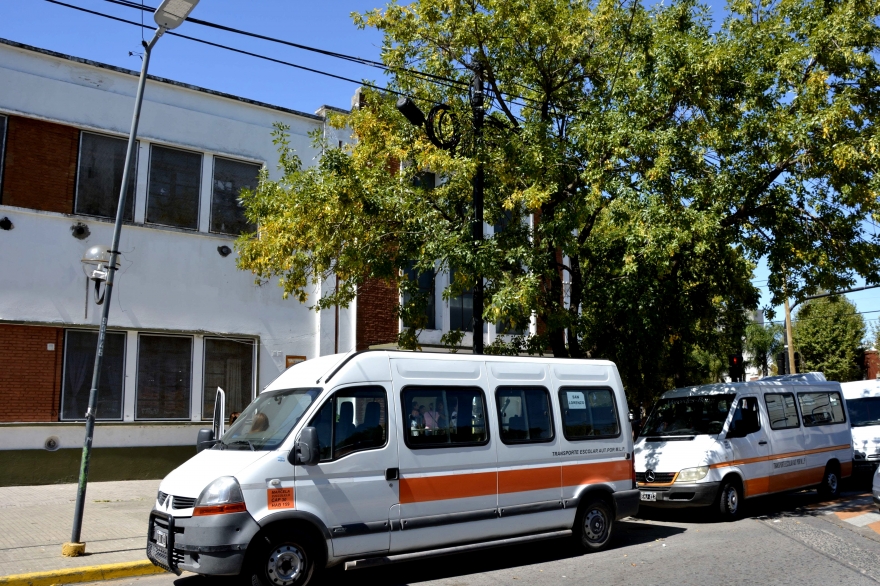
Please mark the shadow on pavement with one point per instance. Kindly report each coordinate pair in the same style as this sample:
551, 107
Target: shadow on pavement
626, 533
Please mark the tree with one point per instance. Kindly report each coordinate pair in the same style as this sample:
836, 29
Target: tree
828, 332
762, 343
657, 160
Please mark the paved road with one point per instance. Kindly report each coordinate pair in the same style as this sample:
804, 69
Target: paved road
791, 539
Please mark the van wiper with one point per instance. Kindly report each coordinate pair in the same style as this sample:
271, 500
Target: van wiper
242, 442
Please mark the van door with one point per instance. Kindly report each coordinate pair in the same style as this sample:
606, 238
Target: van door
529, 478
448, 473
787, 461
747, 439
354, 486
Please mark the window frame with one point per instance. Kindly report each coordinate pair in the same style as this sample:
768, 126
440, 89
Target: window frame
254, 370
64, 375
3, 150
587, 389
829, 393
133, 199
552, 437
332, 398
404, 413
213, 175
201, 155
797, 411
138, 369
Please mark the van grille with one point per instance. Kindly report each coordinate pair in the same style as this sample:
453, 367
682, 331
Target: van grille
659, 477
182, 502
160, 498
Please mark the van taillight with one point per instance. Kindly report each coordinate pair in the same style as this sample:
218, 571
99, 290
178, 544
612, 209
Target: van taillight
632, 462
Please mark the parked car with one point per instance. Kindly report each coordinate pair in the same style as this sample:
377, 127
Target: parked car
863, 403
716, 445
385, 456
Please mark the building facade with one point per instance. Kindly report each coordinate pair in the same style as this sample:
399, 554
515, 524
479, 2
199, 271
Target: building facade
184, 320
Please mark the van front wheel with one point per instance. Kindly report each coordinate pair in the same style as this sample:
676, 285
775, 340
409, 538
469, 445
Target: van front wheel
730, 500
283, 561
593, 525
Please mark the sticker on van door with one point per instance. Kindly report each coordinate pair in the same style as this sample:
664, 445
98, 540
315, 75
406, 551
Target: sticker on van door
576, 400
280, 498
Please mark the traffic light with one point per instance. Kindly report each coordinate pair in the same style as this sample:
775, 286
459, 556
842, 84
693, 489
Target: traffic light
797, 362
735, 364
780, 363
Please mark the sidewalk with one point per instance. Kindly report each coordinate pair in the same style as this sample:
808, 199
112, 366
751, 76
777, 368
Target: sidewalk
36, 520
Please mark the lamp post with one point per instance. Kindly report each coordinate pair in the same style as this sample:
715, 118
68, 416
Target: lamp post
435, 125
169, 15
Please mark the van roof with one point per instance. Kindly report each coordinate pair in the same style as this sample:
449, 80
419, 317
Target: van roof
807, 378
861, 389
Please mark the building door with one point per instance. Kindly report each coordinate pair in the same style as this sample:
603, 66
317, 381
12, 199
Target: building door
353, 488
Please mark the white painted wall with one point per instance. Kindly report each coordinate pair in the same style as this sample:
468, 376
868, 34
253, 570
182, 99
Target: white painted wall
170, 279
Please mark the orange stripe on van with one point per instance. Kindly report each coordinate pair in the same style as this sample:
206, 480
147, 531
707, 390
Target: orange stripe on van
846, 469
783, 482
525, 479
453, 486
579, 474
778, 456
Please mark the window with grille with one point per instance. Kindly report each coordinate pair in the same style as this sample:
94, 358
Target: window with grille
164, 377
229, 364
230, 177
99, 176
80, 347
173, 193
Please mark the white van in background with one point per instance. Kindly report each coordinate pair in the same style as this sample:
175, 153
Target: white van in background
715, 445
385, 456
863, 403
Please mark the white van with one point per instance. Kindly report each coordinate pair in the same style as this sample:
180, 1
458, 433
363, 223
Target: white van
721, 443
384, 456
863, 403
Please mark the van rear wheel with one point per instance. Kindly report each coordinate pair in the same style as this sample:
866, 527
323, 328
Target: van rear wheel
830, 487
593, 525
288, 560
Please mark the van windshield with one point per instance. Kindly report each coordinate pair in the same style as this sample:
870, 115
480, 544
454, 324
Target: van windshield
688, 416
864, 412
267, 421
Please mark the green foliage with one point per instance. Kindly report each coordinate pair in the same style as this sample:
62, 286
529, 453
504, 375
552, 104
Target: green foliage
657, 160
828, 332
762, 343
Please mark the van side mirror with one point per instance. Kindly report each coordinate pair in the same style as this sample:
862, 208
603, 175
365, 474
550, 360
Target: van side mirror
306, 450
204, 440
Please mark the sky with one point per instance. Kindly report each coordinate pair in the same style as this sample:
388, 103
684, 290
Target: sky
325, 25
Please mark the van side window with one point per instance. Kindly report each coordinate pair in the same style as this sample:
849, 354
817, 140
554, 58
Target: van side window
352, 420
524, 414
588, 413
441, 417
821, 408
745, 418
780, 407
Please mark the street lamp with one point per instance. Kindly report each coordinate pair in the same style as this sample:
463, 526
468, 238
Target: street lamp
442, 130
169, 15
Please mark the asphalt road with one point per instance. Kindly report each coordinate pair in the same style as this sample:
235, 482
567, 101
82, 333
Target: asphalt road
788, 539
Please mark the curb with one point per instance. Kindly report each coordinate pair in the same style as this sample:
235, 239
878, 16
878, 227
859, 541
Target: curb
83, 574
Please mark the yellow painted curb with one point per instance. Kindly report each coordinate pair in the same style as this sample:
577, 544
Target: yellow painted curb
82, 574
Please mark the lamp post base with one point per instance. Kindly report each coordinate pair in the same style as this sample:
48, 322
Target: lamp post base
73, 550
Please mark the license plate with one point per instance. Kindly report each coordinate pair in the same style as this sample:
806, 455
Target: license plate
648, 495
161, 537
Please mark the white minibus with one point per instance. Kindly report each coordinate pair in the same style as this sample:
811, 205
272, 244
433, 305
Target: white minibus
383, 456
863, 403
715, 445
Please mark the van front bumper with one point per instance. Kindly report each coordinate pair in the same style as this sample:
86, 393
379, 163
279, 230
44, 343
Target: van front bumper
681, 495
214, 545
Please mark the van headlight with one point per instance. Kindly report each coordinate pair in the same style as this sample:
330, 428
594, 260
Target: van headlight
692, 474
221, 496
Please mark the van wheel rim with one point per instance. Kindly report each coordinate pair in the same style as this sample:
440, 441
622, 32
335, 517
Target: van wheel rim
286, 564
732, 500
831, 481
595, 526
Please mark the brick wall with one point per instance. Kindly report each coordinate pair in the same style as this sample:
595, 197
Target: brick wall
30, 374
872, 364
40, 166
377, 321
